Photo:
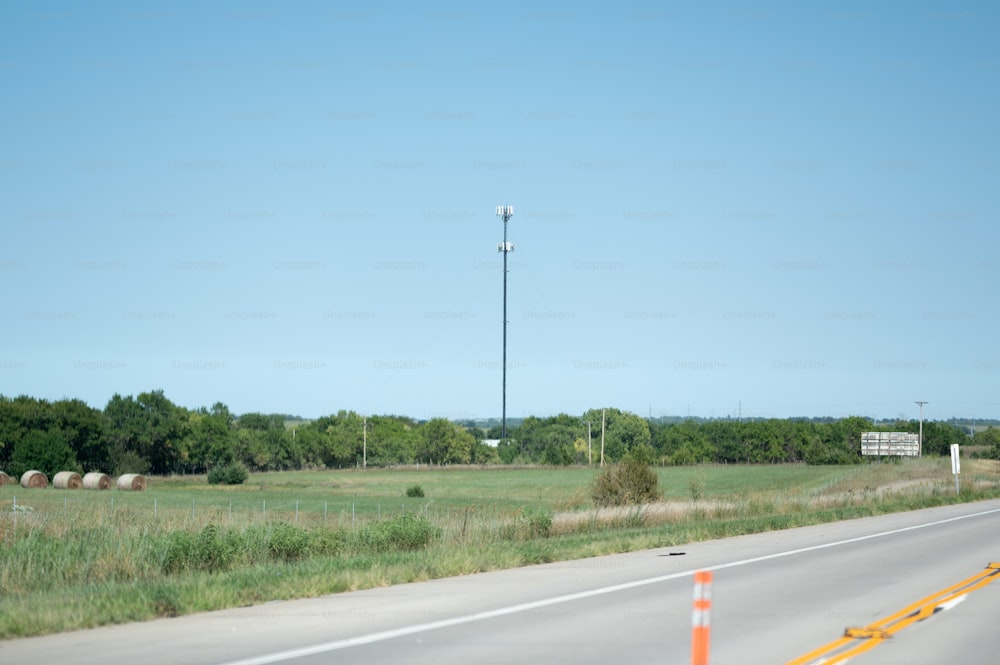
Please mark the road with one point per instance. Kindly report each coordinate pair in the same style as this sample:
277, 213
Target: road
776, 597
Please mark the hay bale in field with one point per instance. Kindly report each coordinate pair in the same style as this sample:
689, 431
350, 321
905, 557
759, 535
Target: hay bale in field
34, 480
132, 482
4, 479
95, 480
67, 480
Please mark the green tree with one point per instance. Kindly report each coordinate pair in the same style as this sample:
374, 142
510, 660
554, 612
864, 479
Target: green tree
990, 440
123, 433
82, 426
43, 450
485, 454
557, 438
210, 440
524, 442
262, 443
333, 441
145, 434
622, 431
839, 442
392, 440
939, 437
19, 417
723, 441
164, 426
444, 442
684, 443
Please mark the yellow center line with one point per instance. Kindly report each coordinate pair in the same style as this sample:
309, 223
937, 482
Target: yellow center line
859, 640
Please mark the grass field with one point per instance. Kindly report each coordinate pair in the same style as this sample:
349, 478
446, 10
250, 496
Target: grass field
77, 559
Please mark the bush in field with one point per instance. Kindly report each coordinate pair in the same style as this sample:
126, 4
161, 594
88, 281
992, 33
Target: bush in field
528, 524
289, 542
415, 491
629, 482
233, 473
539, 523
403, 532
211, 549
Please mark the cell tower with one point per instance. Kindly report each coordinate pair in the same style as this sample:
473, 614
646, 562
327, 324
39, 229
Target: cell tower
504, 213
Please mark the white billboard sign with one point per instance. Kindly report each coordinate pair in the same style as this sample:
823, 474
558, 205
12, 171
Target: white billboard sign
887, 444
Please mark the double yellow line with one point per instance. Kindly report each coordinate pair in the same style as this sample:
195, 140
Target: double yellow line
859, 640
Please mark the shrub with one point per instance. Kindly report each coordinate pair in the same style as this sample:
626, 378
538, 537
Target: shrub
178, 556
528, 524
629, 482
288, 542
404, 532
212, 549
233, 473
539, 523
415, 491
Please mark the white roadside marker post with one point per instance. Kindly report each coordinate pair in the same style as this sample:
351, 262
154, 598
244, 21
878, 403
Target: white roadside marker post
956, 464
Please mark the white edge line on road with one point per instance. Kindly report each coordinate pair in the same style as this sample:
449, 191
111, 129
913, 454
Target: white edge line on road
947, 605
336, 645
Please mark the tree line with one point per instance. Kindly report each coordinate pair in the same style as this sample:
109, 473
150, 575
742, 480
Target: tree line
564, 439
149, 434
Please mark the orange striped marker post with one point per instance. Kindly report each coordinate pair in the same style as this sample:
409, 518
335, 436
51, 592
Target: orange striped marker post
701, 617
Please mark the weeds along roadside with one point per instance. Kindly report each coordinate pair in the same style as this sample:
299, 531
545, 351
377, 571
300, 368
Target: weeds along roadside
97, 564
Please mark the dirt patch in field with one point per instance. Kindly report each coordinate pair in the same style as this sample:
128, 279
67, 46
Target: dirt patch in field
659, 513
918, 485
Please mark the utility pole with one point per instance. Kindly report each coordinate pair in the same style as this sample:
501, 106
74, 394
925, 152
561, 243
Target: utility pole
590, 450
602, 437
364, 438
504, 213
920, 436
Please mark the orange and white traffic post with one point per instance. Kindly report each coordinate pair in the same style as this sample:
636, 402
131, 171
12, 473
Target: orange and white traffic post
701, 617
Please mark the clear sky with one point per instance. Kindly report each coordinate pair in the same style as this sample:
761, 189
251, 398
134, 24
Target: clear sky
762, 209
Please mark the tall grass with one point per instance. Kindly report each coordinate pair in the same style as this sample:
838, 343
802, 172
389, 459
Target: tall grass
79, 559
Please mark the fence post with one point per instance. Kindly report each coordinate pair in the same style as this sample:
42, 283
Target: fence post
701, 619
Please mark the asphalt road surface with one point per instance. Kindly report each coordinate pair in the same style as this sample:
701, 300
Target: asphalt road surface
775, 598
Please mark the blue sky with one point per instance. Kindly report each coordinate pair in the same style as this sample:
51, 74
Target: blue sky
720, 208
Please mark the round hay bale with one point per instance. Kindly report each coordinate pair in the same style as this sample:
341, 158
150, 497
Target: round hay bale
132, 482
95, 480
4, 479
67, 480
34, 480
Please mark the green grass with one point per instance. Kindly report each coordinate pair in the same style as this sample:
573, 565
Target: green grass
78, 559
